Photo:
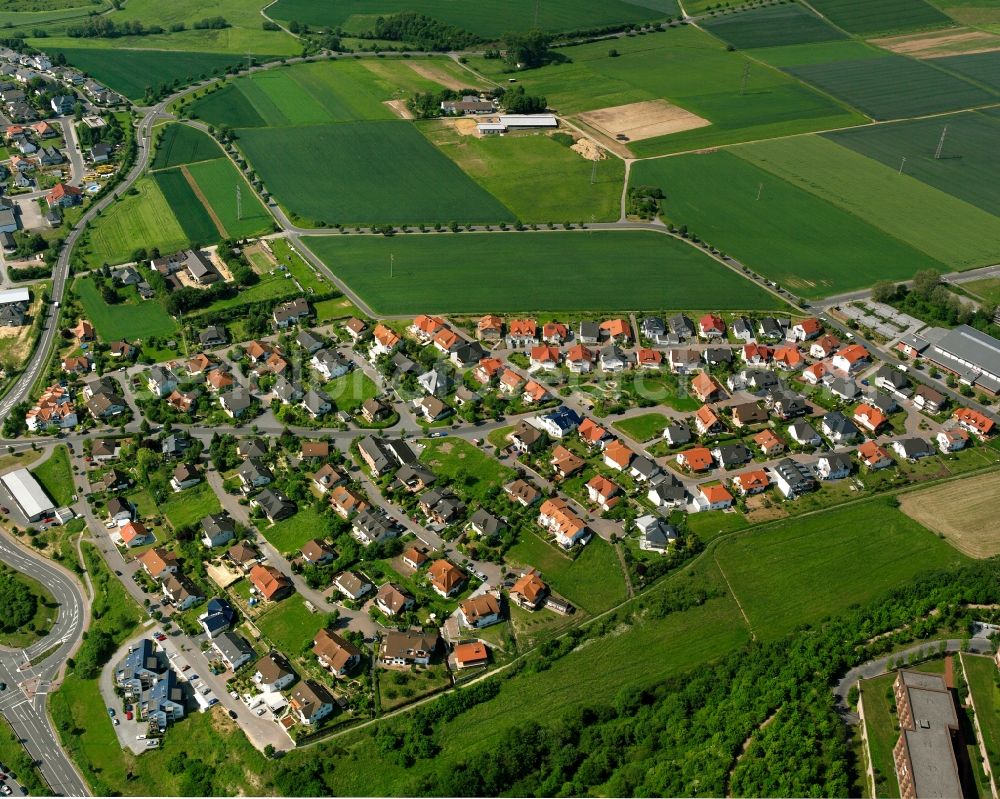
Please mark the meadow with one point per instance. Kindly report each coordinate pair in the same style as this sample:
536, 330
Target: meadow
772, 26
981, 674
806, 243
289, 535
945, 228
143, 219
893, 87
535, 176
56, 476
188, 507
968, 168
182, 144
881, 16
464, 464
217, 180
128, 321
643, 427
290, 626
555, 271
486, 20
802, 571
190, 212
380, 172
980, 67
691, 69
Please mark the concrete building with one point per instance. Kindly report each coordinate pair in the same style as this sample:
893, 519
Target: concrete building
924, 754
27, 494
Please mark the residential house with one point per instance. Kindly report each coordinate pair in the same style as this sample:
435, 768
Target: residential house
893, 381
806, 329
788, 357
588, 333
646, 358
273, 673
560, 422
346, 502
705, 387
485, 524
414, 478
617, 330
824, 346
522, 492
217, 529
466, 354
655, 534
833, 466
441, 506
793, 479
413, 558
274, 504
851, 359
711, 326
471, 654
928, 399
717, 356
489, 328
311, 702
534, 393
233, 649
580, 359
236, 403
218, 617
742, 329
603, 492
912, 448
270, 583
437, 382
290, 313
335, 653
243, 556
975, 422
433, 409
839, 429
612, 359
555, 333
480, 611
677, 433
874, 456
706, 421
752, 482
617, 456
522, 333
370, 527
844, 388
446, 578
714, 497
644, 470
424, 328
556, 516
181, 592
952, 440
748, 413
392, 600
352, 585
355, 328
683, 361
327, 477
184, 476
871, 419
769, 443
804, 434
529, 591
161, 381
730, 455
592, 434
158, 563
408, 647
681, 327
667, 492
315, 551
696, 459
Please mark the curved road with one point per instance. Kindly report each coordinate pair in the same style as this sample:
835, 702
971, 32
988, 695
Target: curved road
23, 703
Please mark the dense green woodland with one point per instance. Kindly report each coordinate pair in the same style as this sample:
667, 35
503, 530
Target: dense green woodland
17, 600
682, 738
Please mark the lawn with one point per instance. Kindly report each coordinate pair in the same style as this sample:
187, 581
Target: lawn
644, 427
350, 391
182, 144
881, 16
290, 626
385, 172
806, 243
804, 570
46, 610
486, 20
536, 176
143, 219
893, 87
466, 465
593, 582
190, 506
554, 271
883, 732
772, 26
979, 67
947, 229
191, 213
968, 168
988, 289
217, 181
981, 674
290, 534
56, 476
126, 320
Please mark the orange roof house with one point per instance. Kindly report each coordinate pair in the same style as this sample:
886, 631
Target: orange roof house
706, 420
446, 339
603, 491
386, 337
487, 370
533, 392
490, 326
868, 417
529, 590
807, 328
426, 326
565, 462
522, 328
769, 442
556, 516
84, 331
617, 329
471, 654
711, 325
158, 562
554, 332
445, 577
752, 482
510, 381
873, 455
705, 387
617, 455
813, 374
974, 421
716, 496
649, 359
789, 356
269, 582
697, 459
544, 355
133, 533
219, 380
824, 346
591, 433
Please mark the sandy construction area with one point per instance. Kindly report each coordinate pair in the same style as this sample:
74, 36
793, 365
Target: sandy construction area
964, 512
643, 120
399, 108
438, 75
932, 45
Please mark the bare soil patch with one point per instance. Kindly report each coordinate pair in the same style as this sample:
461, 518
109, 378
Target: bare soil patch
399, 108
466, 126
588, 149
942, 43
964, 512
438, 75
644, 120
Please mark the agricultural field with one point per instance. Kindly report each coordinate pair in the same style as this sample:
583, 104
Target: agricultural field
963, 512
536, 176
387, 172
947, 229
485, 20
692, 70
881, 16
772, 26
979, 67
191, 214
554, 271
182, 144
130, 321
143, 219
801, 571
946, 42
217, 181
967, 168
806, 243
894, 87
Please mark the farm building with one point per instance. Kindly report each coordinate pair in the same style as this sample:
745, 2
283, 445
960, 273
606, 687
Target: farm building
973, 357
513, 122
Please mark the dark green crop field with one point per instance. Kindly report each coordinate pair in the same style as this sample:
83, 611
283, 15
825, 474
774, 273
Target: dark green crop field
227, 106
881, 16
182, 144
981, 67
772, 26
188, 209
479, 272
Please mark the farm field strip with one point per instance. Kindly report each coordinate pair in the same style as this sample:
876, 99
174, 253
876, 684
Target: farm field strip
772, 26
881, 16
189, 210
964, 512
183, 144
982, 68
217, 180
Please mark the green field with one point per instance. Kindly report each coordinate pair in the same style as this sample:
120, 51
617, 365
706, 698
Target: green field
290, 626
535, 176
799, 572
808, 244
988, 289
182, 144
772, 26
128, 321
556, 271
981, 673
190, 506
189, 210
290, 534
881, 16
56, 476
227, 106
945, 228
643, 427
46, 611
893, 87
691, 69
466, 465
136, 220
218, 180
980, 67
968, 168
484, 19
350, 391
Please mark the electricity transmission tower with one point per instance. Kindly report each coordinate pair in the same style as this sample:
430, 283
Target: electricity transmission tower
940, 147
746, 77
593, 174
537, 4
239, 201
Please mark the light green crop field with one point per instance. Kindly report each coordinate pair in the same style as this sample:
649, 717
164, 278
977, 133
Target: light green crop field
804, 570
807, 244
218, 180
535, 176
794, 55
140, 220
194, 219
947, 229
556, 271
128, 321
691, 69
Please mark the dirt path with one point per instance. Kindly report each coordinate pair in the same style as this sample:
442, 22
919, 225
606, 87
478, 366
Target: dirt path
736, 599
204, 201
628, 578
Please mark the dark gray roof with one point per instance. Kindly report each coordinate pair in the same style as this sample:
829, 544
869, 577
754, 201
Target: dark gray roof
967, 344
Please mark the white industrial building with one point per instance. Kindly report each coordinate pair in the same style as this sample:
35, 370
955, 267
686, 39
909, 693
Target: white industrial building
27, 494
510, 122
14, 295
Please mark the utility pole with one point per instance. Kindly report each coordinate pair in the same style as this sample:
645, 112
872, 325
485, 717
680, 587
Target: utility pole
760, 190
392, 263
593, 174
746, 77
537, 4
249, 64
902, 164
239, 201
940, 147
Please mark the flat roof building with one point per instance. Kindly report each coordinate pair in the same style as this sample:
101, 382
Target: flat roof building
972, 356
27, 494
924, 754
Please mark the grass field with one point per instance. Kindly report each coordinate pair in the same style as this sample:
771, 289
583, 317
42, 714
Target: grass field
182, 144
693, 70
217, 181
466, 465
968, 168
947, 229
772, 26
190, 506
386, 172
485, 20
536, 177
883, 732
557, 271
46, 610
56, 476
644, 427
894, 87
799, 572
964, 512
881, 16
290, 625
807, 244
350, 391
186, 207
129, 321
290, 534
988, 289
981, 674
980, 67
137, 220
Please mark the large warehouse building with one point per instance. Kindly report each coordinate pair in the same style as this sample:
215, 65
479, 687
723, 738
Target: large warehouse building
27, 494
